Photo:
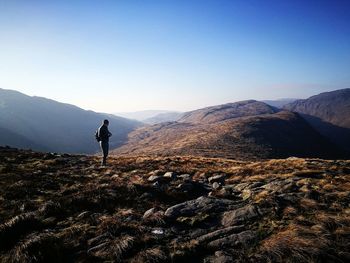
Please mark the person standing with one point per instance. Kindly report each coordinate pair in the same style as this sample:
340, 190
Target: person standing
102, 136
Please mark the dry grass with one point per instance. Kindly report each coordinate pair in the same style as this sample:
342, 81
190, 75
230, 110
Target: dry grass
261, 196
37, 248
289, 211
73, 210
19, 225
295, 244
308, 204
151, 255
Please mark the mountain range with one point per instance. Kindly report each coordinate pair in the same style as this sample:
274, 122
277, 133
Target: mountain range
47, 125
242, 130
314, 127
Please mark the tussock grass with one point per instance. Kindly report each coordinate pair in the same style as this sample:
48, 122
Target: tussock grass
295, 244
16, 227
42, 247
289, 211
150, 255
308, 204
113, 249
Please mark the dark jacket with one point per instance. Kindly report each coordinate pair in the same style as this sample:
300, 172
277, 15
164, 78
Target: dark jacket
104, 133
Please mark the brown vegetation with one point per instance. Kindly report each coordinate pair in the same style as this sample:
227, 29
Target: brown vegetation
66, 208
256, 137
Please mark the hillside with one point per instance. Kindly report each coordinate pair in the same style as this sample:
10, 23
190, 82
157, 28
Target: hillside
15, 140
227, 111
48, 125
65, 208
328, 113
332, 107
215, 134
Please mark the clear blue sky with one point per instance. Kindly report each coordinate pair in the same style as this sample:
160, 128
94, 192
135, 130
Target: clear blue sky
131, 55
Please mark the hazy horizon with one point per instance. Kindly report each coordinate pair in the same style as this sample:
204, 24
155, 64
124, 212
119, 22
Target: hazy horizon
129, 56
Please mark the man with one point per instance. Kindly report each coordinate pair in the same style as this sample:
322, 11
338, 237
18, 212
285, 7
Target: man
103, 135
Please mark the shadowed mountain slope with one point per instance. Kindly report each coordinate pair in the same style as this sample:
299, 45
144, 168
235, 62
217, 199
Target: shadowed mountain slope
48, 125
15, 140
328, 113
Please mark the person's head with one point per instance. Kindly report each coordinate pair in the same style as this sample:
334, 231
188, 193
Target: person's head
105, 122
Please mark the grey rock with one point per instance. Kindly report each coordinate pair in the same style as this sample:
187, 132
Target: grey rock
220, 233
185, 176
170, 175
149, 213
153, 178
217, 178
239, 215
243, 238
216, 185
200, 205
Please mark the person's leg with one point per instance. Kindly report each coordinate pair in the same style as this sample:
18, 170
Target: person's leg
104, 147
103, 162
106, 151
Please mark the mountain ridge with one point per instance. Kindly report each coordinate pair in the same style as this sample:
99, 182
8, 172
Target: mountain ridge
266, 133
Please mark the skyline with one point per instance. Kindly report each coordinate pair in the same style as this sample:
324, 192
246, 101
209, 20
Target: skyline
173, 55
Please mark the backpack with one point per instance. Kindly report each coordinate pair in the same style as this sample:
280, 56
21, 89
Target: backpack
97, 136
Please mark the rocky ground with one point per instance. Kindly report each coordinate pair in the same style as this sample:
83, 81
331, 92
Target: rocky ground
66, 208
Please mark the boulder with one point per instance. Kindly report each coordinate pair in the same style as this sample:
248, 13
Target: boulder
170, 175
153, 178
239, 215
217, 178
149, 213
185, 176
242, 239
219, 233
200, 205
216, 185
